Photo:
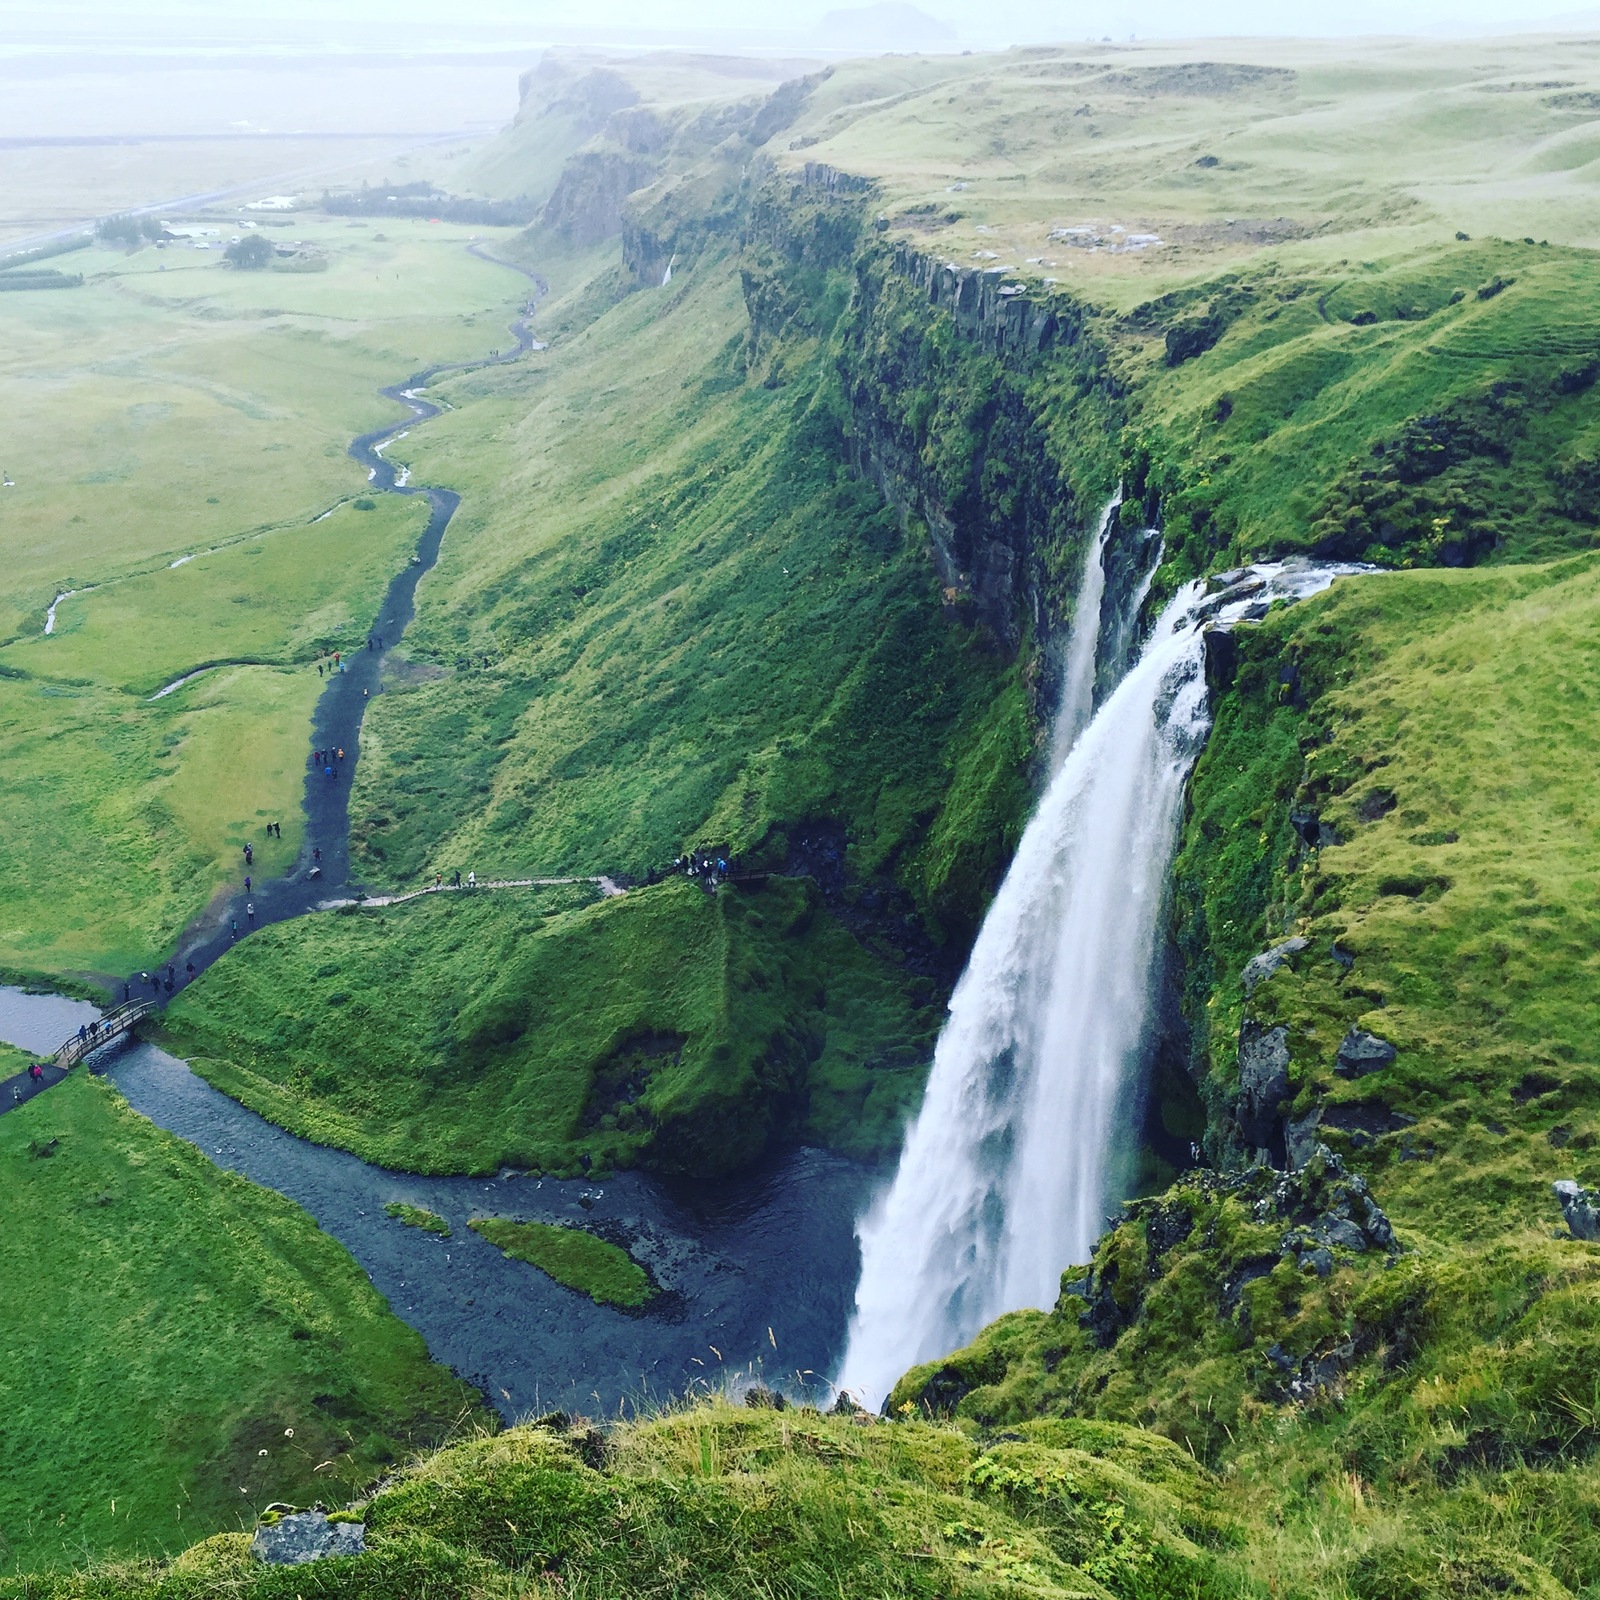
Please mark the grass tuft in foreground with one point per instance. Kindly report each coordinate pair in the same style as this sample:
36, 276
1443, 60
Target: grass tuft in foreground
723, 1502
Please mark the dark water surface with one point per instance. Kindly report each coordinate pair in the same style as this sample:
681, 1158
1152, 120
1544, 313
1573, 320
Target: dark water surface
775, 1250
758, 1272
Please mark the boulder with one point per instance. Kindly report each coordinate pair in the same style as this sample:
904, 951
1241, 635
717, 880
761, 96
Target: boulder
304, 1536
1579, 1208
1263, 1080
1259, 968
1339, 1231
1300, 1137
1361, 1053
1319, 1261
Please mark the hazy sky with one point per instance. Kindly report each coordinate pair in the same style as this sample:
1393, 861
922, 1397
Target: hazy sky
976, 21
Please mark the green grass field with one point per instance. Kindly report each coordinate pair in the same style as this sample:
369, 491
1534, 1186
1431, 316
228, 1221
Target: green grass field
121, 818
280, 598
579, 1260
180, 427
182, 1348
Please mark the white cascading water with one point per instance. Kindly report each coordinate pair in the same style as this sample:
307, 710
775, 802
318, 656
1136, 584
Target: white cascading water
1077, 676
1003, 1178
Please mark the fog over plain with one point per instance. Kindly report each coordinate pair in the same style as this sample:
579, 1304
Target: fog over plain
303, 24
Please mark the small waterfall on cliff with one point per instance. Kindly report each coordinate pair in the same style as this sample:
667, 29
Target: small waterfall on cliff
1078, 670
1002, 1180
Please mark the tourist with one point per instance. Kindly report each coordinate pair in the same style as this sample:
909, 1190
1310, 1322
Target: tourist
250, 910
472, 880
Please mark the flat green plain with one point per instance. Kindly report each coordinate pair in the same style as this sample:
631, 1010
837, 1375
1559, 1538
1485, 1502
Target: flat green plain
179, 435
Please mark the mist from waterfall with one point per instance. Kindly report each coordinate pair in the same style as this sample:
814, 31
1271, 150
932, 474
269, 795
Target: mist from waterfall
1003, 1178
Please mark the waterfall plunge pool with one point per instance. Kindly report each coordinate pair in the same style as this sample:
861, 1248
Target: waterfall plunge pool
758, 1270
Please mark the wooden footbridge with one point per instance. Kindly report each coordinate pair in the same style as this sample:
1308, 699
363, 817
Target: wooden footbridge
113, 1025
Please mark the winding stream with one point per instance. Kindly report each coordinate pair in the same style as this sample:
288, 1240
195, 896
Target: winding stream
773, 1250
757, 1272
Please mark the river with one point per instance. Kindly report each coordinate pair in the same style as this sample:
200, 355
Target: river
757, 1271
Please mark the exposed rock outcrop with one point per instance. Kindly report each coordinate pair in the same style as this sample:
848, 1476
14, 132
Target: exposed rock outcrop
1259, 968
1361, 1053
992, 308
586, 206
303, 1536
1579, 1208
1324, 1207
1263, 1082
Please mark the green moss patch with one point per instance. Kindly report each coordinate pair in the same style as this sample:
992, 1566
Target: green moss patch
574, 1257
417, 1217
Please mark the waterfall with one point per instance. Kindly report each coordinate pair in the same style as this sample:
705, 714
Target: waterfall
1003, 1177
1077, 679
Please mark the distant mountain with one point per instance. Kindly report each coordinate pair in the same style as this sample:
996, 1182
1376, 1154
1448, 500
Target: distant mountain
892, 25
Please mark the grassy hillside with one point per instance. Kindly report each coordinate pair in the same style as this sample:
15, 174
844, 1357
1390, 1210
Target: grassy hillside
669, 1028
668, 616
182, 1348
726, 1502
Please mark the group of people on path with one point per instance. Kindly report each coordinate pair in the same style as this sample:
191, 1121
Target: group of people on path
336, 664
707, 867
156, 982
328, 760
455, 881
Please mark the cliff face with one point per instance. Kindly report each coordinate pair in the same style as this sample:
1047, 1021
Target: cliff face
586, 206
951, 388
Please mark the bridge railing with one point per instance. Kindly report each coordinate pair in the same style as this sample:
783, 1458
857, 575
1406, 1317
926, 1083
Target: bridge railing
113, 1025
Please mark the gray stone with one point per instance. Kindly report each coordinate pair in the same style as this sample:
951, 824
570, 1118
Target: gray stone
1300, 1137
1263, 1079
304, 1536
1259, 968
1338, 1231
1319, 1261
1578, 1207
1361, 1053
